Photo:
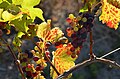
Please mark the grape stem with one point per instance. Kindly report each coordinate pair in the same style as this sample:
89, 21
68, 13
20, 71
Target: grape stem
92, 56
14, 56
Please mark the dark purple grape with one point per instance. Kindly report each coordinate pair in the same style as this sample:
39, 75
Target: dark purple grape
74, 35
30, 55
23, 60
24, 69
72, 49
80, 22
84, 35
74, 43
90, 19
80, 13
29, 74
36, 39
39, 67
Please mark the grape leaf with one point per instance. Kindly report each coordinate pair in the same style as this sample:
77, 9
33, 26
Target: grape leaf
33, 12
27, 7
7, 16
13, 9
61, 60
36, 12
42, 28
45, 32
1, 10
1, 1
17, 2
110, 15
21, 24
30, 3
17, 41
4, 5
10, 1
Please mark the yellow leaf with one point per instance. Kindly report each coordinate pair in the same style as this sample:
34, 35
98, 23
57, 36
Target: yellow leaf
7, 16
45, 32
62, 60
110, 14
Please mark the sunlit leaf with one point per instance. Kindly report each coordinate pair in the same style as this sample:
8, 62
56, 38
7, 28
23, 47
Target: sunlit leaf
20, 34
1, 10
39, 77
13, 9
84, 9
17, 41
30, 3
42, 28
46, 33
1, 1
17, 2
4, 5
61, 60
7, 16
21, 24
110, 13
36, 12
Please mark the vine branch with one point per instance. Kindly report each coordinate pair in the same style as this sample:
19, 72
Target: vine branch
88, 62
14, 56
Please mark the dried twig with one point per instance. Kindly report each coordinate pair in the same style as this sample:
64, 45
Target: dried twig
14, 56
110, 53
91, 46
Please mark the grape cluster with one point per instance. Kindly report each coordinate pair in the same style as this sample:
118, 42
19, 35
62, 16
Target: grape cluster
28, 68
80, 26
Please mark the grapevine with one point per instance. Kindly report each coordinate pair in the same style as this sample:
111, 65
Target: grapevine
21, 14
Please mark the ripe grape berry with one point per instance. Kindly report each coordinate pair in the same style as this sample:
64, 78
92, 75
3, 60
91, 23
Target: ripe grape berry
36, 58
39, 67
47, 55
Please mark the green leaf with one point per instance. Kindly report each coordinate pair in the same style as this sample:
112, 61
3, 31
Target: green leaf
4, 5
13, 9
84, 9
92, 2
36, 12
17, 41
20, 34
10, 1
30, 3
21, 24
17, 2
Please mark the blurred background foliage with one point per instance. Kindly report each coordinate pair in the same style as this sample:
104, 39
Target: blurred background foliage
105, 40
